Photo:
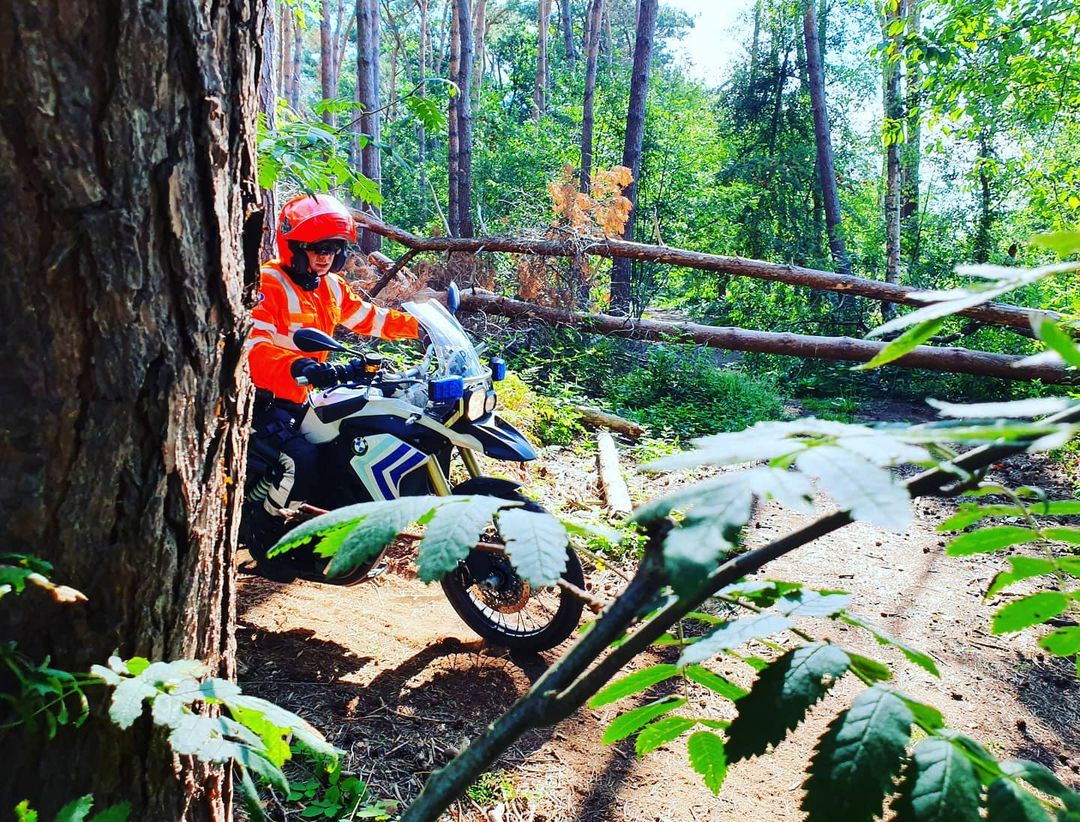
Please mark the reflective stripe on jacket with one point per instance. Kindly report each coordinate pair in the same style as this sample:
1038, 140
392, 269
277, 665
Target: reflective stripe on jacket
283, 307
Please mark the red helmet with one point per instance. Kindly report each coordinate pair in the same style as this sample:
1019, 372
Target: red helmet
310, 218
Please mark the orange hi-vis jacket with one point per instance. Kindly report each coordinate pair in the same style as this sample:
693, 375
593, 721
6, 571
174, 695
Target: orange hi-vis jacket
284, 307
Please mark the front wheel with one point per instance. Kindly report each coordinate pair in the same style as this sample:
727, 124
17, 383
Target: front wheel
487, 593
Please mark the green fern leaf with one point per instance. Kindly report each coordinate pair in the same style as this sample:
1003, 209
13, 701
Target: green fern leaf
632, 683
631, 721
1006, 801
452, 532
1031, 610
782, 695
536, 544
939, 785
377, 530
729, 635
662, 732
708, 758
852, 770
868, 491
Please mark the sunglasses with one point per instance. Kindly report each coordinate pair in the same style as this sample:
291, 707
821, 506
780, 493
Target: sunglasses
325, 247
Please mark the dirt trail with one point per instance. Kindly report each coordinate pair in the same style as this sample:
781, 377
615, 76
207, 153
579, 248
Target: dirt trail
392, 676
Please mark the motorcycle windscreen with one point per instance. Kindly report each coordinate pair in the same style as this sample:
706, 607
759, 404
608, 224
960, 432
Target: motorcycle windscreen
455, 355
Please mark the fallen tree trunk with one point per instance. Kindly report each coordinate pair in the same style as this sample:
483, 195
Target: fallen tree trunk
605, 419
612, 484
956, 360
992, 313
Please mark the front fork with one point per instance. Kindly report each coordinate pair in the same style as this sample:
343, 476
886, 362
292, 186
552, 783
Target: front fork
439, 483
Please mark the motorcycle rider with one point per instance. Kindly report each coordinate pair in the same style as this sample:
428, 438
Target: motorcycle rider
299, 289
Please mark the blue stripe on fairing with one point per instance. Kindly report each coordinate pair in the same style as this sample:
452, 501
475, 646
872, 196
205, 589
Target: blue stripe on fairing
379, 469
397, 473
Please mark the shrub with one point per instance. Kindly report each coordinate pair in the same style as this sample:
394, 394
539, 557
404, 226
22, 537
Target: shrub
691, 396
540, 418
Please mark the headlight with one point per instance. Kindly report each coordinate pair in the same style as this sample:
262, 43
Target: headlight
489, 404
475, 405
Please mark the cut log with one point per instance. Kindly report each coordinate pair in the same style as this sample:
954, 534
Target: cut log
955, 360
613, 422
612, 484
992, 313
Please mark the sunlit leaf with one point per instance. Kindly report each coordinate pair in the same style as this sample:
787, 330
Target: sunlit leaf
904, 344
708, 758
632, 684
1022, 568
631, 721
1062, 641
452, 533
714, 682
661, 732
536, 544
1014, 409
1031, 610
989, 539
870, 493
729, 635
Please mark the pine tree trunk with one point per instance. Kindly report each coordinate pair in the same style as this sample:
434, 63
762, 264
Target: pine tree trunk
540, 86
464, 114
297, 61
567, 24
453, 137
635, 134
425, 45
326, 58
823, 138
480, 41
127, 181
268, 108
894, 113
592, 48
285, 50
367, 85
911, 151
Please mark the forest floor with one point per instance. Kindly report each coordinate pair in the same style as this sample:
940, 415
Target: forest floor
390, 674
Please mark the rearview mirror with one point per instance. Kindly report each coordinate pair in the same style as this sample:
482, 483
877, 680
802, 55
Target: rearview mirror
311, 339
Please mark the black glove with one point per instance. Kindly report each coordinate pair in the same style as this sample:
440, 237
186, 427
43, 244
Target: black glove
318, 374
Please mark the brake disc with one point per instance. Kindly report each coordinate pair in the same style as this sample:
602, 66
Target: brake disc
508, 598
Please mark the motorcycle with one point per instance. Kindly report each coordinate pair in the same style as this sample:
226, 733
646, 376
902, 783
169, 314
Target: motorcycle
381, 434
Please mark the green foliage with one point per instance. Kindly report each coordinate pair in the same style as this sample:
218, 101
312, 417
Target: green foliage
251, 734
331, 794
854, 763
78, 810
684, 394
550, 420
536, 542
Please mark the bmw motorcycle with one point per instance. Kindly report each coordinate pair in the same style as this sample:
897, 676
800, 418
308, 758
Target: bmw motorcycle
381, 434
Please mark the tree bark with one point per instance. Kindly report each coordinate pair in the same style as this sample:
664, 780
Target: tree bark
635, 134
326, 58
911, 151
952, 360
823, 138
268, 108
592, 48
453, 141
128, 179
983, 239
464, 115
992, 313
540, 86
480, 40
425, 44
567, 24
367, 85
297, 59
894, 114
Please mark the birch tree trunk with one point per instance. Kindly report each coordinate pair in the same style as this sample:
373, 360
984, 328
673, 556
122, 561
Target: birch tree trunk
592, 48
635, 134
823, 138
128, 179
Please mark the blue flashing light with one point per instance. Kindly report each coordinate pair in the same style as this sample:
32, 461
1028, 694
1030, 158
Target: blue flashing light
446, 389
498, 369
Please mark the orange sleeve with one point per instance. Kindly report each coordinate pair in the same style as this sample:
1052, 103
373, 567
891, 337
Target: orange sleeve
270, 350
373, 321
